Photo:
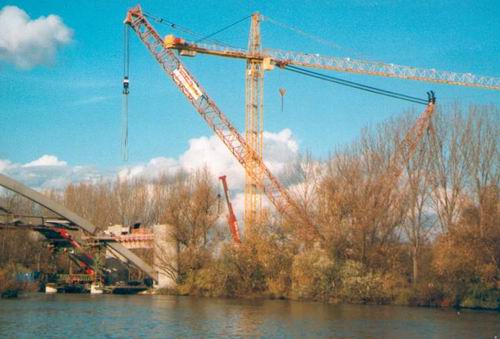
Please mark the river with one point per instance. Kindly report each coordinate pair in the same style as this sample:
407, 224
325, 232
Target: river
114, 316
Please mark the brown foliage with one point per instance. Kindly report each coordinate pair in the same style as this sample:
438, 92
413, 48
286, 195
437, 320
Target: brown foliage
381, 240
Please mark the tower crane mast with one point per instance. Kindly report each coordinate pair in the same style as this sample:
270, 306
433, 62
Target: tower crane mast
248, 150
254, 98
216, 119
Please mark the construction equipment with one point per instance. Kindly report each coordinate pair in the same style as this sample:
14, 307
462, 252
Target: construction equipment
125, 92
216, 119
406, 148
254, 124
59, 237
271, 58
248, 151
55, 230
282, 94
294, 61
231, 218
408, 145
77, 221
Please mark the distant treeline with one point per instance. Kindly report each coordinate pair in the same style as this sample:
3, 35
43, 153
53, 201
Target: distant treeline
432, 237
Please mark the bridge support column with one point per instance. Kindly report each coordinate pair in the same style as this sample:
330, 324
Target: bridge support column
165, 256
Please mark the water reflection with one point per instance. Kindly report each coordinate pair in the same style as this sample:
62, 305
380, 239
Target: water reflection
166, 316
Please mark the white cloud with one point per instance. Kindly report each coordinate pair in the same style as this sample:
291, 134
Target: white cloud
279, 142
4, 165
280, 148
27, 43
155, 168
212, 153
46, 160
48, 172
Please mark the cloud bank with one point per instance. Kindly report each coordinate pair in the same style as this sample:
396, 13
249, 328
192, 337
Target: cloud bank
280, 148
27, 42
50, 172
46, 160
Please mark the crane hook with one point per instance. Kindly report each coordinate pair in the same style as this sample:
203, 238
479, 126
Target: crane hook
282, 93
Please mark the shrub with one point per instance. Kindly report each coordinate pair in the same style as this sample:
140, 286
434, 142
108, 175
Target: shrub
428, 295
8, 281
361, 287
313, 275
481, 296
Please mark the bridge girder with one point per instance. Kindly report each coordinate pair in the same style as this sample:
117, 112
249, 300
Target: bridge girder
80, 222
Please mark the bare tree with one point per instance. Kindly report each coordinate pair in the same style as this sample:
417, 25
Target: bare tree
449, 164
415, 191
483, 137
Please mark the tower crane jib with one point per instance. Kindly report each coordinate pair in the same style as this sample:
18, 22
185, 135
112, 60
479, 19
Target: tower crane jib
248, 150
215, 118
272, 57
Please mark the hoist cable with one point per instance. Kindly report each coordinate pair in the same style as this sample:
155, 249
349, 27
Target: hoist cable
355, 85
171, 24
310, 36
126, 60
347, 82
223, 29
199, 36
126, 63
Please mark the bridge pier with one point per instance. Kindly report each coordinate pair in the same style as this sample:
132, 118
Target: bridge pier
159, 239
165, 253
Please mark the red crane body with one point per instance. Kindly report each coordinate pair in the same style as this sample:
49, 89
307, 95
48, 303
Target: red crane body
84, 260
231, 217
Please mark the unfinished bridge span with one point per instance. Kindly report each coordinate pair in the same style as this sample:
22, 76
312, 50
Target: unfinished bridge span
77, 221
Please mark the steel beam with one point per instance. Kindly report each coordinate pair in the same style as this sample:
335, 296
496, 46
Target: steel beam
82, 223
51, 205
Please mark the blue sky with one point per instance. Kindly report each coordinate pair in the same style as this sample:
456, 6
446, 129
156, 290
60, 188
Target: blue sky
71, 108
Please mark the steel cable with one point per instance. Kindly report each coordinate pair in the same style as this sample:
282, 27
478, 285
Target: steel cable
355, 85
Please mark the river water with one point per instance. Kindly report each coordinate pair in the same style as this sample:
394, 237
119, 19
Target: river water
115, 316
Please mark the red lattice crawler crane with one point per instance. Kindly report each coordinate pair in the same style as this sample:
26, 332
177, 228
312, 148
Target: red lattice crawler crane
231, 218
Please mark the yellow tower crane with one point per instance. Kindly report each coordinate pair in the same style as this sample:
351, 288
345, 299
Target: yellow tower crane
254, 120
248, 150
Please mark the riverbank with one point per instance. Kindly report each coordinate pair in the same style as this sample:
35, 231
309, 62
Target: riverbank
410, 299
477, 305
